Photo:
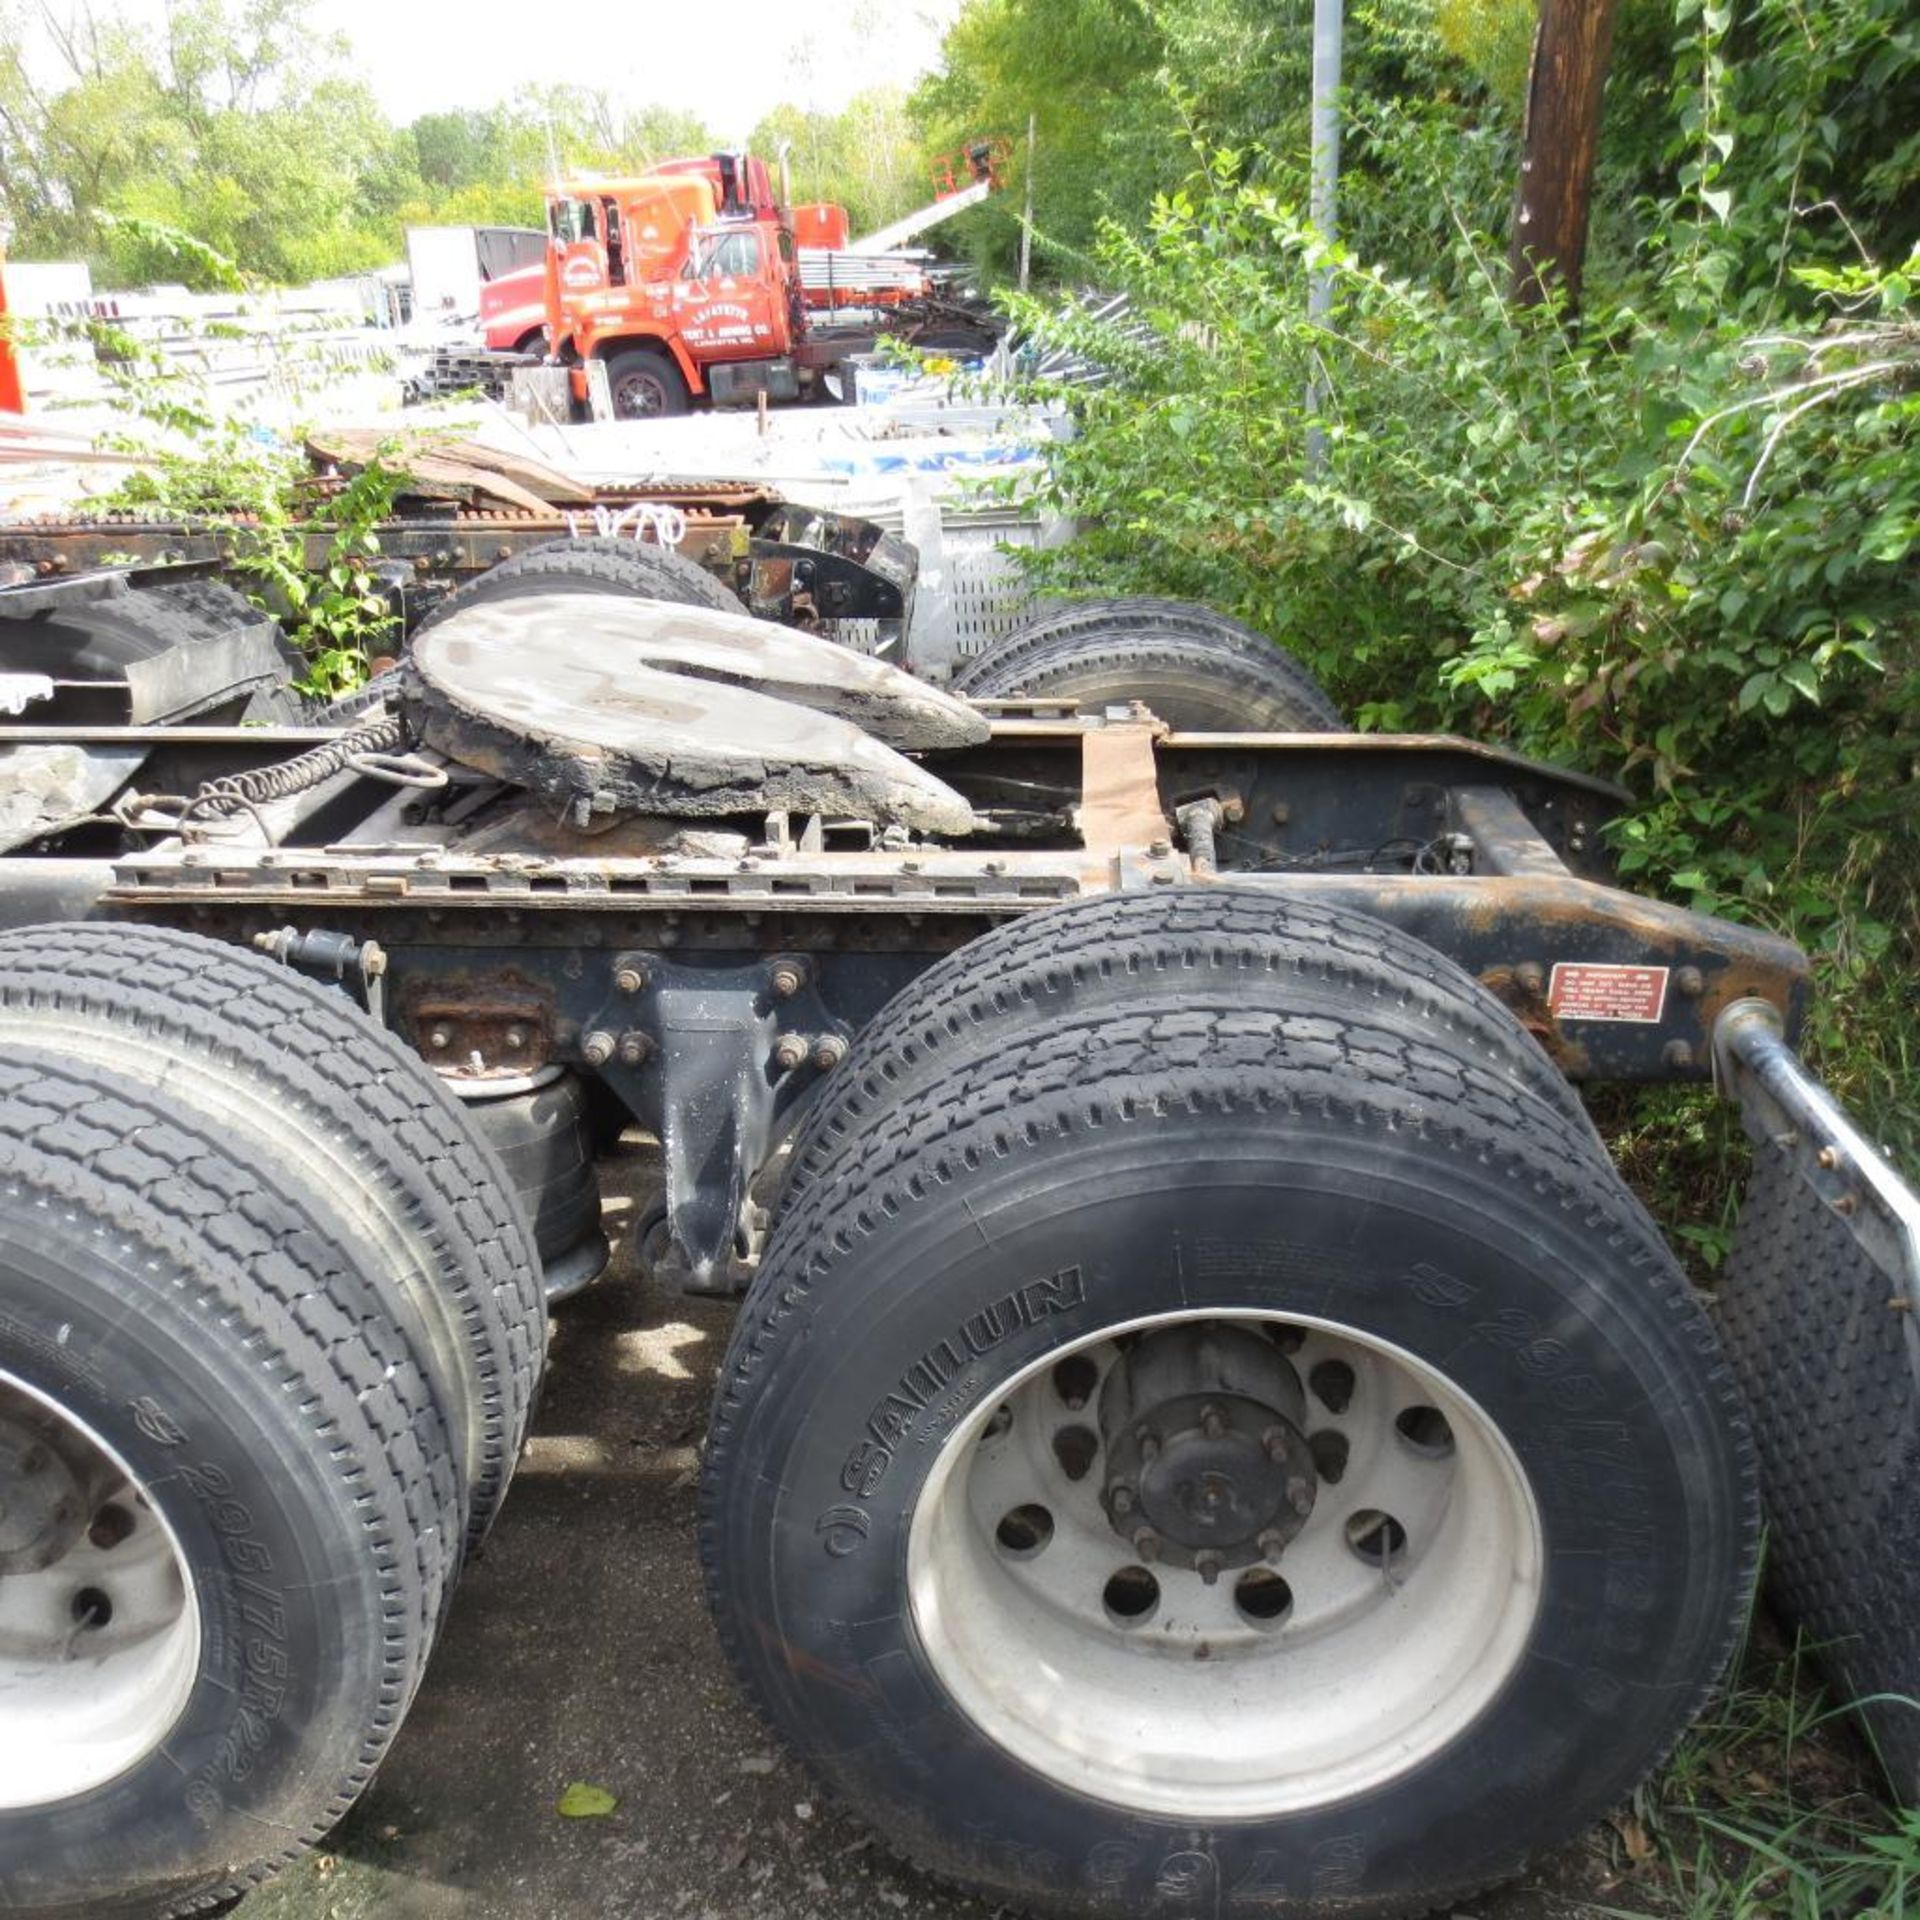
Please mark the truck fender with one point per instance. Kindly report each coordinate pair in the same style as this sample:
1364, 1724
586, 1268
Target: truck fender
605, 349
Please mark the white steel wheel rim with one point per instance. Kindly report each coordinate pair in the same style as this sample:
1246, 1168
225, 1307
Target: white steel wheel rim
1200, 1710
99, 1648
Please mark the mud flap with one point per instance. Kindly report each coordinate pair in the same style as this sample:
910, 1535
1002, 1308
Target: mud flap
1819, 1315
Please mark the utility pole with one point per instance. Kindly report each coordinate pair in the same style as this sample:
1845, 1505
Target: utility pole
1323, 204
1026, 219
1565, 85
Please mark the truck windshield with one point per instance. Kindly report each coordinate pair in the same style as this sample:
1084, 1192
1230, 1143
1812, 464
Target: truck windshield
717, 256
573, 220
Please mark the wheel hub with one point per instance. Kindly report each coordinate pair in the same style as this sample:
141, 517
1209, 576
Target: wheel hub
99, 1629
638, 397
1207, 1463
43, 1503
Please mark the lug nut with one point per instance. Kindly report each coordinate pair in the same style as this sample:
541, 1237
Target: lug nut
516, 1037
629, 978
1211, 1423
1300, 1496
1691, 982
635, 1047
787, 978
1146, 1543
790, 1051
1207, 1566
597, 1048
1271, 1543
1149, 1444
830, 1051
1275, 1443
1121, 1500
439, 1039
111, 1525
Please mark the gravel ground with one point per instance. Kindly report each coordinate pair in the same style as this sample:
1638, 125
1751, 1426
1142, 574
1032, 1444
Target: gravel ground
580, 1650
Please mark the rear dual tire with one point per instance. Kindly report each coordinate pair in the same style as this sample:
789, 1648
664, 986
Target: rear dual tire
592, 564
270, 1326
1198, 670
1107, 1176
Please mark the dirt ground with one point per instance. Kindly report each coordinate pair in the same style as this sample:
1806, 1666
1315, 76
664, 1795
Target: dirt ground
579, 1650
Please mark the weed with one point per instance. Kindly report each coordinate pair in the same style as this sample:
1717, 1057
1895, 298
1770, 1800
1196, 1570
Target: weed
1767, 1811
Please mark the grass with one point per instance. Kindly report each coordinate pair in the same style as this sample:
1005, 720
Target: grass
1769, 1810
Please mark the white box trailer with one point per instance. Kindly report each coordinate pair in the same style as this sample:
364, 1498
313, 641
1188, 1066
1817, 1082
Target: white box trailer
449, 265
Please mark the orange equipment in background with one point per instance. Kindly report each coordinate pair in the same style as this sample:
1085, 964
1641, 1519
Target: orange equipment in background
820, 224
13, 397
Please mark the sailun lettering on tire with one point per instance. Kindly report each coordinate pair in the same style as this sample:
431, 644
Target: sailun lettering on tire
1587, 991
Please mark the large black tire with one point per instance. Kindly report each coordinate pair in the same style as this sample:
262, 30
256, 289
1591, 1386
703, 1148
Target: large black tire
101, 640
168, 1313
1832, 1381
1213, 946
646, 385
344, 1114
593, 565
218, 608
1139, 613
97, 639
1198, 670
1136, 1165
365, 702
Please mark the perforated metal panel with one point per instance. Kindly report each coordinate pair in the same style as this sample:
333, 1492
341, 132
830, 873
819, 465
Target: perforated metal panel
971, 590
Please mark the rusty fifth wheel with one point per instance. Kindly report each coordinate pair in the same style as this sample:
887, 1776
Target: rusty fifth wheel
1234, 1436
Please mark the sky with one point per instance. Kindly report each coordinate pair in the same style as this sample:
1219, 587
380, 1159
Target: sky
729, 61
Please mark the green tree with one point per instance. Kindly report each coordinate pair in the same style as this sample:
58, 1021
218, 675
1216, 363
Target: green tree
1676, 544
866, 157
233, 122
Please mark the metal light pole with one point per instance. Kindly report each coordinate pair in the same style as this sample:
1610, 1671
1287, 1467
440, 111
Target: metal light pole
1323, 204
1026, 219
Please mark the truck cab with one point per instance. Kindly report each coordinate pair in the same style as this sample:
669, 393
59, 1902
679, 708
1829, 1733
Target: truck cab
673, 291
688, 284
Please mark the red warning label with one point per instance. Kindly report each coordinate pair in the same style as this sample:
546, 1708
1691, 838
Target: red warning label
1582, 992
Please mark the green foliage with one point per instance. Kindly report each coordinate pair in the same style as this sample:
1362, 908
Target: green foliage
1760, 1817
197, 465
865, 158
262, 496
1120, 90
1086, 70
236, 122
337, 613
1494, 38
1675, 544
